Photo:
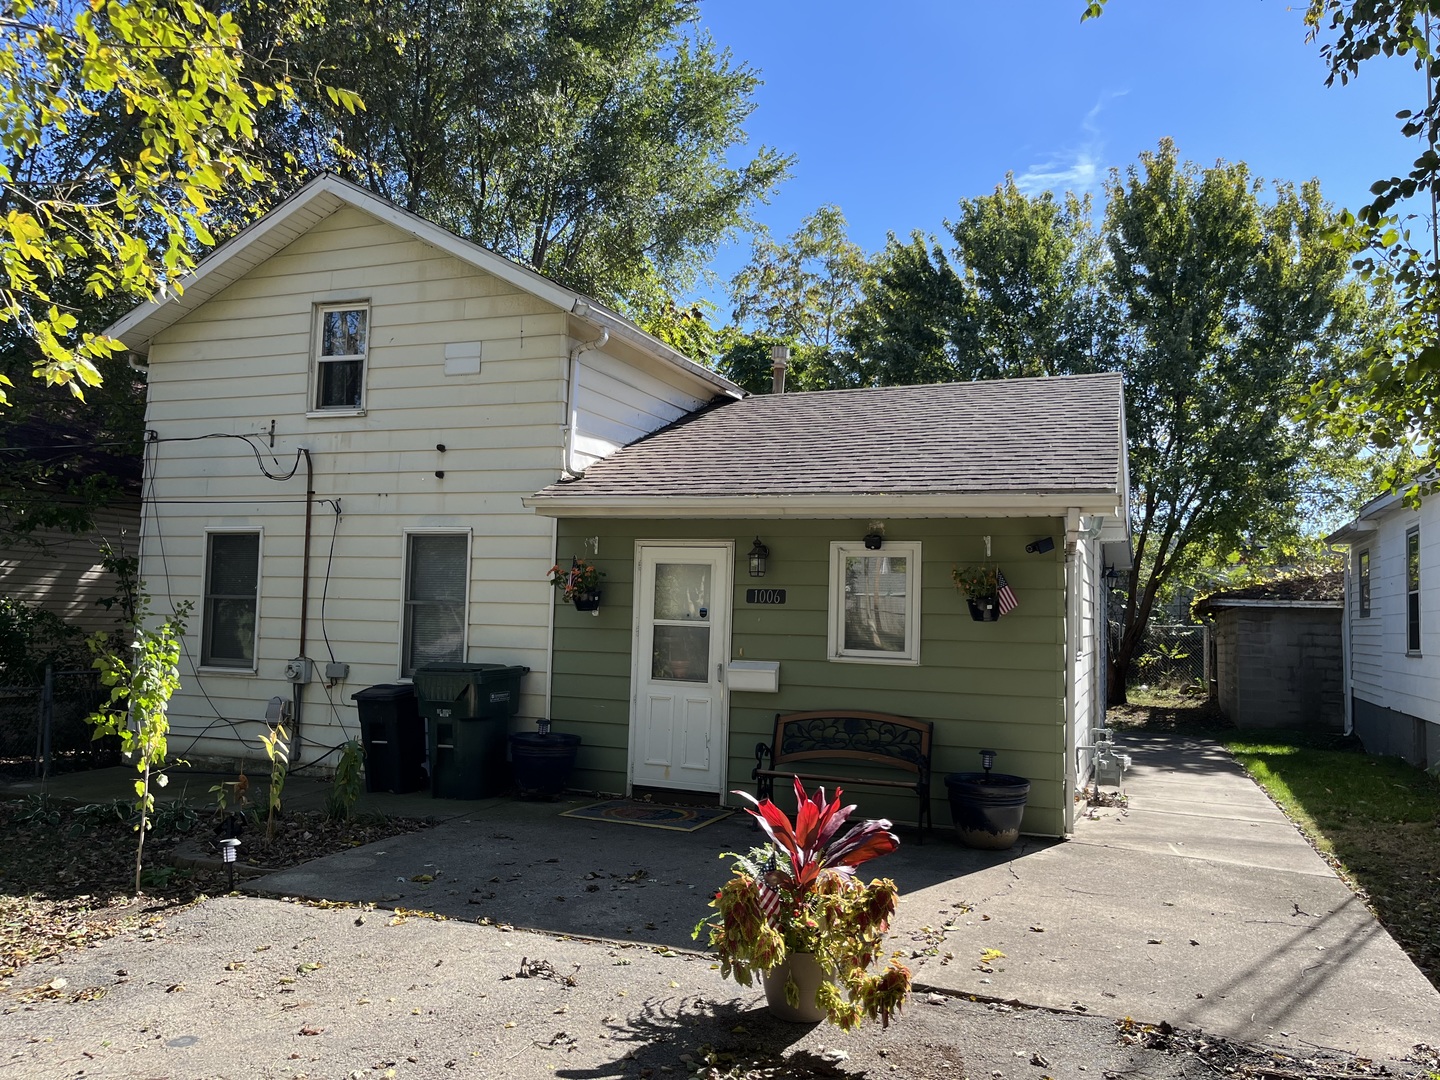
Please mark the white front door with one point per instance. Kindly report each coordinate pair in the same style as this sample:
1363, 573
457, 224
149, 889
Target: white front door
682, 637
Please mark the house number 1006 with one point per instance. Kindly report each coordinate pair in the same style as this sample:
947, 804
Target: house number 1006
764, 596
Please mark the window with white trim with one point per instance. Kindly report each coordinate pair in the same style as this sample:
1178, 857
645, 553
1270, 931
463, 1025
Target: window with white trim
232, 600
1363, 574
342, 341
437, 575
1412, 590
874, 603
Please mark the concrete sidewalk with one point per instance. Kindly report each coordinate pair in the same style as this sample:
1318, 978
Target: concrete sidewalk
1200, 905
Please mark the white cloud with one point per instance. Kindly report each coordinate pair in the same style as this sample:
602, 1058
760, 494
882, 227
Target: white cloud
1079, 169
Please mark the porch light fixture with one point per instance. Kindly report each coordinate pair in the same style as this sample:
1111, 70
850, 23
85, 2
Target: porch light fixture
987, 759
758, 554
873, 541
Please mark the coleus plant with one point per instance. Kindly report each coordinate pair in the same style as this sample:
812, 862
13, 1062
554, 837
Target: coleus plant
800, 894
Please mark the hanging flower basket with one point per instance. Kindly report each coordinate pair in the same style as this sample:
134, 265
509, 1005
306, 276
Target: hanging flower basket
578, 583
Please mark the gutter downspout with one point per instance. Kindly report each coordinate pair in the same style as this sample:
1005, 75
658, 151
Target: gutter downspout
1072, 658
1347, 610
567, 464
296, 746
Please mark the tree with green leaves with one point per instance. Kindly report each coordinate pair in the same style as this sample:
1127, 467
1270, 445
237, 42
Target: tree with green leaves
1017, 294
1392, 396
121, 122
801, 293
596, 141
1231, 306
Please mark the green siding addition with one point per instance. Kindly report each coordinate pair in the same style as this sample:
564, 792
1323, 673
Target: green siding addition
997, 686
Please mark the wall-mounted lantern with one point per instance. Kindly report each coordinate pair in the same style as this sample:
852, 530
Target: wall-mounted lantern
758, 554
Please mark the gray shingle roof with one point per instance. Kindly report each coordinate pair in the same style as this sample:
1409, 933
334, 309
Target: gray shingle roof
1016, 436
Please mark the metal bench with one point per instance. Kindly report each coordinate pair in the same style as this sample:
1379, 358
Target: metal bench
803, 740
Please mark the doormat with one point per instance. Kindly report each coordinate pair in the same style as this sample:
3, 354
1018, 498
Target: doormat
651, 815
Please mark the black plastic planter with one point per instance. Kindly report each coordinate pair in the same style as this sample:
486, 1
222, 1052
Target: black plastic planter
542, 763
987, 808
986, 609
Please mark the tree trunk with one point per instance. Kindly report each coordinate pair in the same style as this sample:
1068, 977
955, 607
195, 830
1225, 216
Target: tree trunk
144, 823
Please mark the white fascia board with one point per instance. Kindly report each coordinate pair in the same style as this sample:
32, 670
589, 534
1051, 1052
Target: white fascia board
1351, 533
600, 317
822, 506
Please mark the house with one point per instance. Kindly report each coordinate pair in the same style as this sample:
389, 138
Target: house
865, 500
1392, 628
1274, 653
57, 564
346, 406
369, 440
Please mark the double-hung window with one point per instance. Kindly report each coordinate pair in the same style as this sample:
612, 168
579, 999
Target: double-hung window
1412, 590
232, 600
874, 603
437, 574
341, 347
1363, 583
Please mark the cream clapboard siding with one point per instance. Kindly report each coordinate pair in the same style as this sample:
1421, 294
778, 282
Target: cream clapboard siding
618, 402
1381, 672
64, 574
241, 363
985, 685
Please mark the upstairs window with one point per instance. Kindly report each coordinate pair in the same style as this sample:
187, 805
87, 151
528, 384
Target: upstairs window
1363, 585
1412, 591
437, 573
875, 603
232, 600
343, 338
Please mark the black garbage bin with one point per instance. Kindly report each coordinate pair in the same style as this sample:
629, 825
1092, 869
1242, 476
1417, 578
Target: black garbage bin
393, 736
467, 708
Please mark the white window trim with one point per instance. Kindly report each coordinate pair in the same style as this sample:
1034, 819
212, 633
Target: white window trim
317, 338
835, 634
1406, 592
214, 669
432, 530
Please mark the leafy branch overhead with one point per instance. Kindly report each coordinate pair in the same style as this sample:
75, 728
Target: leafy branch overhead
121, 122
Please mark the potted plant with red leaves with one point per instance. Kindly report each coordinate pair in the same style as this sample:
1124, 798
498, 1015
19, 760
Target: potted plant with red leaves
795, 913
578, 584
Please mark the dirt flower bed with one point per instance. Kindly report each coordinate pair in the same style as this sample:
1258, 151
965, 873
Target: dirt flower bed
66, 872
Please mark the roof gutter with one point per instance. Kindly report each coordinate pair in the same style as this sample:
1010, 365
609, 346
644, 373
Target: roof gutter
615, 326
1020, 504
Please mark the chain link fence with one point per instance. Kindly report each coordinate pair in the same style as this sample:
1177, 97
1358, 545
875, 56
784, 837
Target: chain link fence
1170, 657
43, 728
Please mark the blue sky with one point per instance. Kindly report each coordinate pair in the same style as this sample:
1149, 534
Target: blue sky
897, 110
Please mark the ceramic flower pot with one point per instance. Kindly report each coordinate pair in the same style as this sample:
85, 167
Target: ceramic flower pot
808, 976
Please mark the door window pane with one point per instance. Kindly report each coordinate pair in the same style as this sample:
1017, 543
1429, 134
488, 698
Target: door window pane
682, 591
681, 654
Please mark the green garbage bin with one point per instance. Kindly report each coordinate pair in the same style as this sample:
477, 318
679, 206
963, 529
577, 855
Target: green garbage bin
467, 709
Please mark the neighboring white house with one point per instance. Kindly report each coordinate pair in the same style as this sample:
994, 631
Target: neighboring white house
1392, 628
346, 405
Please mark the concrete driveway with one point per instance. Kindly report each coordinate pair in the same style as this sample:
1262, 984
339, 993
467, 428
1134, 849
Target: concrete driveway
1199, 905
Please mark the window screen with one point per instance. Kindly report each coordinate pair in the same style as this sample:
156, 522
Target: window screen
232, 579
437, 567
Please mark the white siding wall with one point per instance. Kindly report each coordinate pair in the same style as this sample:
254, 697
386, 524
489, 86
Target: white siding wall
1089, 709
241, 362
65, 576
1381, 672
618, 402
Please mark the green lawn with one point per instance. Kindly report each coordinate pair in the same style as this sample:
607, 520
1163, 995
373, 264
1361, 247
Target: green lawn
1376, 820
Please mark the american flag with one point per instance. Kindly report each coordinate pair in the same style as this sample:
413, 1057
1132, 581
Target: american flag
769, 899
1004, 593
